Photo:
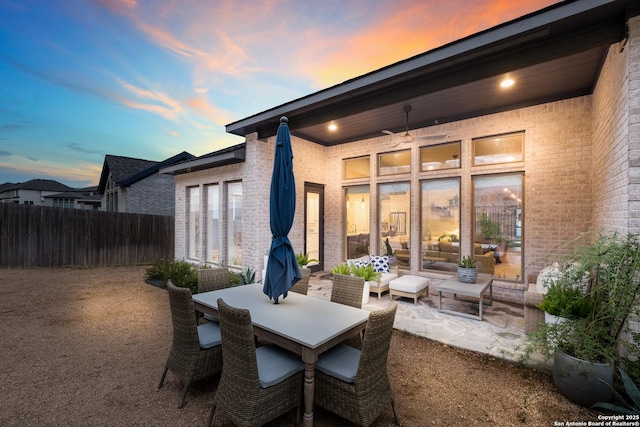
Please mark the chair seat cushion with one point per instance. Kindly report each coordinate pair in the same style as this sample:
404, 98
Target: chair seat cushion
274, 365
408, 283
340, 362
385, 278
209, 335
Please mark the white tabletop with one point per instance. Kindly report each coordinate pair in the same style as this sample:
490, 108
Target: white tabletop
306, 320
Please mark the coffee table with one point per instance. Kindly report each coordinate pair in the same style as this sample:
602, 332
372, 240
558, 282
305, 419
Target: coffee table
476, 290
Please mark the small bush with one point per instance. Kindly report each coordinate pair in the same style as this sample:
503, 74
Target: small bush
181, 273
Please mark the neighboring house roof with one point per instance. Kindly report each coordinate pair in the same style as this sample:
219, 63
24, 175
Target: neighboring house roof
35, 185
80, 194
555, 53
126, 171
226, 156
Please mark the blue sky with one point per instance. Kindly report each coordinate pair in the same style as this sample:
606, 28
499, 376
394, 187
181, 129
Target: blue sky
148, 79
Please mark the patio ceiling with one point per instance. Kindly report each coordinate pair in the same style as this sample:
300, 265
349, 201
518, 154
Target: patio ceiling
553, 54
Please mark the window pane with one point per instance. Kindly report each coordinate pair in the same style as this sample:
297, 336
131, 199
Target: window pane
234, 224
498, 224
394, 213
440, 214
356, 168
357, 222
498, 149
194, 223
213, 223
396, 162
442, 156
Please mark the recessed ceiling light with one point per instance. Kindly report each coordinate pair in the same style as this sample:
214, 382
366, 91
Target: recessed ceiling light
507, 82
332, 127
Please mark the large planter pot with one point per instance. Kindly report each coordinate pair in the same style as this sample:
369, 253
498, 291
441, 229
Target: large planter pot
579, 380
467, 275
366, 291
393, 260
551, 319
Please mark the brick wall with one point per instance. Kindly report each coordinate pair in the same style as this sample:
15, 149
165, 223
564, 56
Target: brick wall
153, 195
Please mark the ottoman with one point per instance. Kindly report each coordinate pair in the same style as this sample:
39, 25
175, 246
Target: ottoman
409, 286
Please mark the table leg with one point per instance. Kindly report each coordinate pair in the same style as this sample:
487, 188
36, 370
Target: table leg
309, 359
480, 310
439, 300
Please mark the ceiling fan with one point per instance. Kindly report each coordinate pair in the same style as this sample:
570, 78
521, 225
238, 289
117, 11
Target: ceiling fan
406, 137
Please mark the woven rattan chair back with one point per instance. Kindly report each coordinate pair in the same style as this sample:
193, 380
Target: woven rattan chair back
347, 290
369, 395
213, 279
239, 395
302, 286
187, 359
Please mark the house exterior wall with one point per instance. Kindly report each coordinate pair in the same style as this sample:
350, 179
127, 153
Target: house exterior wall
633, 52
610, 161
153, 195
581, 171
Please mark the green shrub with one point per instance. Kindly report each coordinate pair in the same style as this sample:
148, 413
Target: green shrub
181, 273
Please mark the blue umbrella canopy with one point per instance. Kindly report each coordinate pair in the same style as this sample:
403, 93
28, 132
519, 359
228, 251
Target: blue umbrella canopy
282, 268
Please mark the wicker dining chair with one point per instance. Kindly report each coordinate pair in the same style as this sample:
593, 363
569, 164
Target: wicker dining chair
302, 286
196, 352
347, 290
213, 279
257, 384
354, 383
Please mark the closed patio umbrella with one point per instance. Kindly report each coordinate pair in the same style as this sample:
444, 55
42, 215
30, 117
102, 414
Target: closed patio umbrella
282, 268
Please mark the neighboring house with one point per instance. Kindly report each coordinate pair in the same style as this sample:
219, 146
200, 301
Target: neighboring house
510, 174
135, 186
80, 198
32, 192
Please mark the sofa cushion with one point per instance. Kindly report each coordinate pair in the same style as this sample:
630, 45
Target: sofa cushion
385, 278
452, 247
380, 263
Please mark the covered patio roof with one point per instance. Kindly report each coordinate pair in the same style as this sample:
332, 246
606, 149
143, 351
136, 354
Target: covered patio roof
555, 53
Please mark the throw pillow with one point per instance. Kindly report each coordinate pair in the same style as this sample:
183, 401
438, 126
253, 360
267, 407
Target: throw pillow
380, 263
360, 263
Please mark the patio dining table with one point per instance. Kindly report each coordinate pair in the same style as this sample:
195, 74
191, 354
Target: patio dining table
302, 324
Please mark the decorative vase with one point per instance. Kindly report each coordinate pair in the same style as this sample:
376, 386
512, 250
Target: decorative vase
580, 381
392, 260
467, 275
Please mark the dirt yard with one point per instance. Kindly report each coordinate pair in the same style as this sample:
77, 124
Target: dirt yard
87, 347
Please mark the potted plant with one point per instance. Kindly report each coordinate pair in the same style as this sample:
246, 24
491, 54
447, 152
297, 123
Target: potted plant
369, 275
303, 260
597, 291
341, 269
390, 253
467, 270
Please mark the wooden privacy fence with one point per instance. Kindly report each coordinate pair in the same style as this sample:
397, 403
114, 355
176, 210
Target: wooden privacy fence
41, 236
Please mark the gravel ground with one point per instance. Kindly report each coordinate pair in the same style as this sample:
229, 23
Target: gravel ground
87, 347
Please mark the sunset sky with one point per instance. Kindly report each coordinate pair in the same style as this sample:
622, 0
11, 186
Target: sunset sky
148, 79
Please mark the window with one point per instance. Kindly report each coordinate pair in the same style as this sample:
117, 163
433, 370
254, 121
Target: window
497, 226
441, 156
194, 223
507, 148
61, 203
393, 163
234, 223
440, 216
356, 168
394, 214
212, 243
357, 221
